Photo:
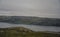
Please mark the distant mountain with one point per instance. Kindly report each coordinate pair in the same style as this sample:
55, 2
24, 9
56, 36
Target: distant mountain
30, 20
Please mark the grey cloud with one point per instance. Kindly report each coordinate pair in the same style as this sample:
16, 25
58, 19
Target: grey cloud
45, 8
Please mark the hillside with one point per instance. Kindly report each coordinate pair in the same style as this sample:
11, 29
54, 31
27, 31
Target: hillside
30, 20
24, 32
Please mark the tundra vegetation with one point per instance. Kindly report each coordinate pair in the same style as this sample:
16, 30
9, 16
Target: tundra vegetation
24, 32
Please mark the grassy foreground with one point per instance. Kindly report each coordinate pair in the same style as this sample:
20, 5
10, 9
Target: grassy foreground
24, 32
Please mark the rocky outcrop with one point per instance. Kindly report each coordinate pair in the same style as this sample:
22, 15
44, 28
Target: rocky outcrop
24, 32
16, 29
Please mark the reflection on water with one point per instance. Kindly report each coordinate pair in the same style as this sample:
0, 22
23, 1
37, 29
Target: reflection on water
32, 27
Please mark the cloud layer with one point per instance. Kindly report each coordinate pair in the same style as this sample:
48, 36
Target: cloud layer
41, 8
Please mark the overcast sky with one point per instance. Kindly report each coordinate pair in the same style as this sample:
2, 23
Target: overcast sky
41, 8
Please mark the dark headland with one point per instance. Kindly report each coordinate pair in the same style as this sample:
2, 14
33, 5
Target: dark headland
30, 20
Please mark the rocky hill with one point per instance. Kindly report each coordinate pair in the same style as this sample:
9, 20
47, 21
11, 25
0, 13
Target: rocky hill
24, 32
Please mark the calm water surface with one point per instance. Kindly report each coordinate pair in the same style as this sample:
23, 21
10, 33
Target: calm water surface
32, 27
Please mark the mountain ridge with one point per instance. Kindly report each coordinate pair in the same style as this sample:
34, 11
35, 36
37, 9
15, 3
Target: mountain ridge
31, 20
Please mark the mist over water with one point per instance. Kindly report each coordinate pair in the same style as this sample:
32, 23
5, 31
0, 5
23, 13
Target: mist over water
32, 27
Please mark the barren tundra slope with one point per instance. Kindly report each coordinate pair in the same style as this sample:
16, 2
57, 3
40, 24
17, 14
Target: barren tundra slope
24, 32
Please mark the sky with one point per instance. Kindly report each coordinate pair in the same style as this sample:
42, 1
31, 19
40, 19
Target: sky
39, 8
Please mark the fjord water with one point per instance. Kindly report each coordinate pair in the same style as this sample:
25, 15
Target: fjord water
32, 27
